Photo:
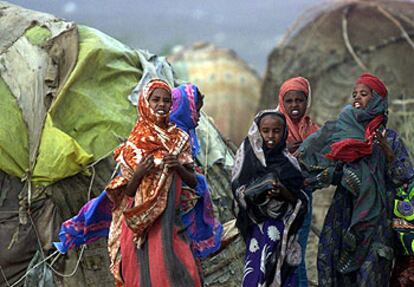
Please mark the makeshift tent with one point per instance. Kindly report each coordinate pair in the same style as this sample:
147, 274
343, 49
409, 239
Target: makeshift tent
334, 43
64, 90
231, 86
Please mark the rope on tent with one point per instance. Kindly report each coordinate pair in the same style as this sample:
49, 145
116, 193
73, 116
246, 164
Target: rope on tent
92, 166
4, 276
347, 42
29, 174
101, 158
406, 19
39, 242
29, 190
34, 267
74, 270
91, 182
397, 23
55, 254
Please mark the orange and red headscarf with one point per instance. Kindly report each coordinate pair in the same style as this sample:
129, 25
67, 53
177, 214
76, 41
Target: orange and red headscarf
305, 127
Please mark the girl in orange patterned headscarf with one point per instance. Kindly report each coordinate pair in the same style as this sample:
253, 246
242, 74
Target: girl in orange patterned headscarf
144, 246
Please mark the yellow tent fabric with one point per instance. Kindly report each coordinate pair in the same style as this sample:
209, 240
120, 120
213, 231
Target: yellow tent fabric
88, 118
59, 156
91, 113
14, 148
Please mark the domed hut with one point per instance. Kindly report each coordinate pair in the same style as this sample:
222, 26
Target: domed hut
332, 44
231, 86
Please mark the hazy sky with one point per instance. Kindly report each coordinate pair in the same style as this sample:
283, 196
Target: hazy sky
251, 28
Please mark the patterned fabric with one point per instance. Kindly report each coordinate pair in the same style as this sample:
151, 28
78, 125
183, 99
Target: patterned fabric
197, 213
94, 218
90, 224
146, 138
303, 234
403, 222
256, 143
350, 146
184, 112
403, 272
272, 250
201, 226
401, 170
335, 247
357, 129
165, 258
301, 130
356, 243
349, 150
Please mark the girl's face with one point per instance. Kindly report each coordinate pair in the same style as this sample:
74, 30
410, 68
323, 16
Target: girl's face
295, 103
361, 96
160, 102
271, 129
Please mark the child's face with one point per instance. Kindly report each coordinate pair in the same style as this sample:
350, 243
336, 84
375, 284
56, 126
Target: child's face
295, 103
160, 102
271, 129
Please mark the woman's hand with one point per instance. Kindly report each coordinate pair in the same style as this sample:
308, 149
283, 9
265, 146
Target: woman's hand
308, 182
142, 169
280, 191
145, 166
186, 174
293, 147
382, 141
172, 162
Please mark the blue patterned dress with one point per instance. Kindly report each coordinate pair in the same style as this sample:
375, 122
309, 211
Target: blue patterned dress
334, 243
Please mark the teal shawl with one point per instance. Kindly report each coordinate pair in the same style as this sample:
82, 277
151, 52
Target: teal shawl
364, 179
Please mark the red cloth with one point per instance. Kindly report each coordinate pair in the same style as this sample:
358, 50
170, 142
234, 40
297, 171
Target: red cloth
349, 150
305, 127
374, 83
160, 271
